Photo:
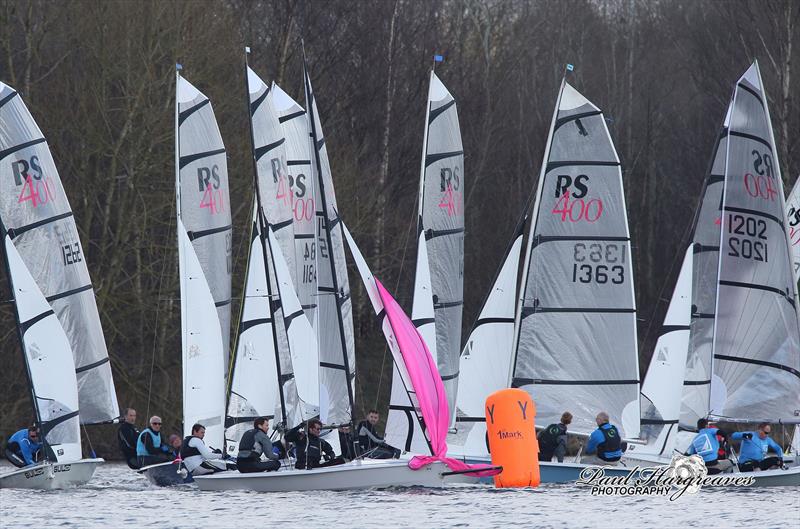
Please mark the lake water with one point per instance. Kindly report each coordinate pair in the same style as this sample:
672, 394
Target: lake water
117, 497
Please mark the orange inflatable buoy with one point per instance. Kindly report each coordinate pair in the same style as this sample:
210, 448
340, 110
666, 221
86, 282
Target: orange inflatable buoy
510, 415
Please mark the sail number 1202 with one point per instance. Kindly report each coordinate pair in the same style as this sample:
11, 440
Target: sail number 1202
747, 238
599, 263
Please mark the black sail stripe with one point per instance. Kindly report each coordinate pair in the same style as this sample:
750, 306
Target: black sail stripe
696, 382
291, 163
191, 110
433, 158
526, 381
320, 143
222, 303
304, 235
87, 367
8, 98
672, 328
432, 234
261, 151
751, 92
247, 324
756, 286
700, 248
753, 137
486, 321
447, 304
755, 213
189, 158
25, 325
288, 318
15, 232
754, 361
437, 112
410, 434
450, 377
658, 421
257, 103
556, 165
565, 120
331, 365
291, 116
419, 322
12, 150
470, 419
68, 293
527, 311
48, 426
233, 421
194, 235
280, 225
540, 239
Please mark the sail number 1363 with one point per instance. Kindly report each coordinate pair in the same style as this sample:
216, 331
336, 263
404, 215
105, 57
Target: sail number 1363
599, 263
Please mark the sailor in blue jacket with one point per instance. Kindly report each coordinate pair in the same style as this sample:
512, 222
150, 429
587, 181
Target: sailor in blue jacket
710, 444
149, 448
754, 448
606, 442
24, 447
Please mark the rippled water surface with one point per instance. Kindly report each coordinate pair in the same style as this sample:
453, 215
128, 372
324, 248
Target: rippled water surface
117, 497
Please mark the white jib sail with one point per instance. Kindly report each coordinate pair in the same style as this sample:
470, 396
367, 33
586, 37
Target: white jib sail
576, 345
663, 383
793, 217
254, 381
416, 443
49, 360
37, 216
487, 357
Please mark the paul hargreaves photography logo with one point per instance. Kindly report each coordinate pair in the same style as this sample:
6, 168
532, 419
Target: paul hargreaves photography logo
684, 474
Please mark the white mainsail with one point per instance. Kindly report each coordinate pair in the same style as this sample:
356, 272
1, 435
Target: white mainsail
575, 342
334, 306
662, 386
793, 217
756, 339
204, 254
49, 361
37, 217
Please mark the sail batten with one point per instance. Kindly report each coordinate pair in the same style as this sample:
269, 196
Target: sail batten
37, 217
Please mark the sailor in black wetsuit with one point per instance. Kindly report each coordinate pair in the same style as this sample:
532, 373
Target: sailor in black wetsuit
310, 448
127, 435
253, 444
372, 445
553, 439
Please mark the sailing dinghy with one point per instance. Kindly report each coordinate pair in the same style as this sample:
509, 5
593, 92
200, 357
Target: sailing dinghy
56, 314
743, 352
204, 267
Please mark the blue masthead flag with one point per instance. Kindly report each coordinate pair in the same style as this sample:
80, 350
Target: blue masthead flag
570, 67
178, 66
438, 58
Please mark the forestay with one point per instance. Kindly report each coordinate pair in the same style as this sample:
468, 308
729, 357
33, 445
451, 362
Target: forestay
441, 222
294, 123
576, 342
662, 387
49, 362
38, 219
756, 363
204, 244
334, 313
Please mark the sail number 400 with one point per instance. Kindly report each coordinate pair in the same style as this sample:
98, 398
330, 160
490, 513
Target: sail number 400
595, 263
744, 247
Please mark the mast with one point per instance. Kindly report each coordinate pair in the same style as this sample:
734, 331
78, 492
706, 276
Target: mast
323, 198
262, 227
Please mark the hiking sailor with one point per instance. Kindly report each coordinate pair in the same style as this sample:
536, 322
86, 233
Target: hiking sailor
370, 443
605, 443
754, 449
553, 439
127, 435
310, 448
707, 444
24, 447
253, 445
200, 459
149, 448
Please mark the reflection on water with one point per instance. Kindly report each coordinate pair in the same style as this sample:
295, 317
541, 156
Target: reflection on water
117, 497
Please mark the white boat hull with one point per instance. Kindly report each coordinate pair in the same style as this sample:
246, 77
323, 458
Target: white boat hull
51, 476
763, 478
552, 471
354, 475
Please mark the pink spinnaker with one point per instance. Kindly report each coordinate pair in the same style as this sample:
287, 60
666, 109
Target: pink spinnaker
428, 386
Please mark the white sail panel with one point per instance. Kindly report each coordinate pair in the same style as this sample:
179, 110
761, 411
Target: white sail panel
254, 378
205, 208
576, 344
793, 217
409, 437
294, 122
486, 360
756, 363
49, 361
335, 319
663, 384
37, 216
441, 217
202, 351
